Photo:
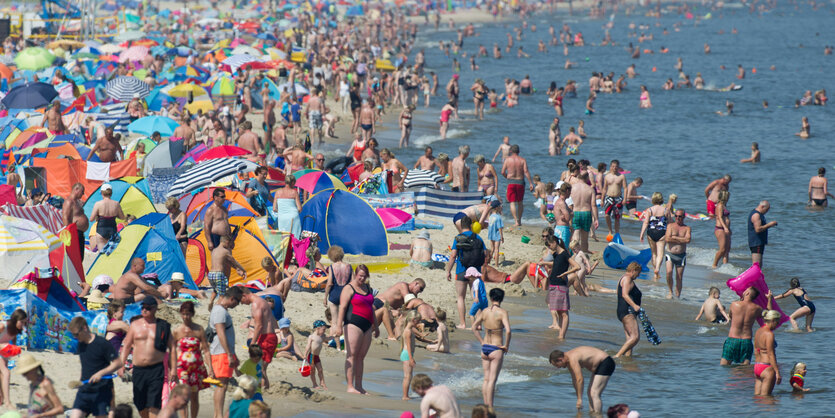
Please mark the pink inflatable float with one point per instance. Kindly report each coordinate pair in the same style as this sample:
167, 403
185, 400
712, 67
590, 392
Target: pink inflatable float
754, 277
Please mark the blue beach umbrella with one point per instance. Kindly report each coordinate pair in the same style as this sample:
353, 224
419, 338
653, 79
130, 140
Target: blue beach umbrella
150, 124
30, 96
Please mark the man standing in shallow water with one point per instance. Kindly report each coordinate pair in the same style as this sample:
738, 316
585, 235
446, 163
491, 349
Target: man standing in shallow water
758, 231
515, 170
712, 193
738, 347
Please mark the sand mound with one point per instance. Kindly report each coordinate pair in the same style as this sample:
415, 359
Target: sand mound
285, 389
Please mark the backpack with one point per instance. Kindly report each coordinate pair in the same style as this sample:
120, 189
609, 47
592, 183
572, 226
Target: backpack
470, 250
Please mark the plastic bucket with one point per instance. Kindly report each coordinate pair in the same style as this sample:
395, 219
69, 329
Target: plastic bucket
526, 239
305, 370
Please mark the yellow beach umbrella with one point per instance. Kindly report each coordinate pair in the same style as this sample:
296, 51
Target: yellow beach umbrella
204, 105
184, 89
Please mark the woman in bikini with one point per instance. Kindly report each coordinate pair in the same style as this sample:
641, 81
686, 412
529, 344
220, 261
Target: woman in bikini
818, 189
191, 348
487, 179
722, 229
645, 101
766, 370
356, 313
807, 307
495, 343
406, 125
8, 335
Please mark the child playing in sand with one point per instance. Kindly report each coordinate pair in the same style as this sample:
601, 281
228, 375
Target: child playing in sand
253, 366
495, 231
407, 354
712, 308
441, 344
798, 378
314, 346
286, 342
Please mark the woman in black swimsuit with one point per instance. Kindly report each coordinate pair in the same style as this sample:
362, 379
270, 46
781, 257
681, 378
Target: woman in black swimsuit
629, 303
178, 221
105, 213
807, 307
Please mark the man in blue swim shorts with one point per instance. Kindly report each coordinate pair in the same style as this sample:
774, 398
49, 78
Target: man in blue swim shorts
222, 263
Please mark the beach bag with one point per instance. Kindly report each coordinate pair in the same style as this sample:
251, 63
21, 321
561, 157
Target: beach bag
470, 250
317, 281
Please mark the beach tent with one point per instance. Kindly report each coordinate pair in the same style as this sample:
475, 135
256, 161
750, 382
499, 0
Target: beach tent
236, 205
150, 238
48, 285
132, 193
250, 248
24, 246
61, 174
164, 155
345, 219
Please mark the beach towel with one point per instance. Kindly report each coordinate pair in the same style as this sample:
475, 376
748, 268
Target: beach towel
287, 216
300, 249
98, 171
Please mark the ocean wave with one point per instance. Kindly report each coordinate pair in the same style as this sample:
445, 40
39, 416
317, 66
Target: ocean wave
425, 140
470, 381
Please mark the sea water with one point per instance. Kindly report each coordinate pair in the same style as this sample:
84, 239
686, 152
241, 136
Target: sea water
678, 146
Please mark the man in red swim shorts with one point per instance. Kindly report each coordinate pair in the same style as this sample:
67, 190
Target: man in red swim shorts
515, 170
712, 193
263, 326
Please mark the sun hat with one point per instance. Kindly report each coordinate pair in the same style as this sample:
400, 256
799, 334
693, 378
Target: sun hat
26, 363
96, 296
472, 272
284, 323
177, 277
423, 234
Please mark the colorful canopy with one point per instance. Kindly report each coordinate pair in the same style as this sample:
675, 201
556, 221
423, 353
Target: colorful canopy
317, 181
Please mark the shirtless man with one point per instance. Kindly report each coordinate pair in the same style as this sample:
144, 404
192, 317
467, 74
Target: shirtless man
125, 288
368, 120
504, 149
554, 139
585, 211
216, 220
678, 236
108, 147
712, 193
74, 213
148, 354
755, 154
398, 170
295, 159
595, 360
515, 170
393, 298
426, 161
315, 110
249, 141
460, 170
439, 399
739, 347
614, 184
222, 263
186, 132
631, 196
572, 142
52, 120
263, 326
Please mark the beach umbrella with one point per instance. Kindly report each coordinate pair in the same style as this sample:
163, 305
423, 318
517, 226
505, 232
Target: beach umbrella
345, 219
393, 217
150, 124
65, 44
30, 96
180, 51
246, 49
422, 178
134, 53
24, 245
236, 204
131, 35
301, 90
110, 48
317, 181
124, 88
208, 172
237, 60
224, 86
298, 174
204, 105
223, 151
34, 58
183, 90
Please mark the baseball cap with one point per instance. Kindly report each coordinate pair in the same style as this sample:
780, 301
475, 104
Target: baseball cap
495, 204
106, 186
149, 301
319, 323
472, 272
284, 323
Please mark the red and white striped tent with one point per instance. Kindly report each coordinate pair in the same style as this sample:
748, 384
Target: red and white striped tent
44, 214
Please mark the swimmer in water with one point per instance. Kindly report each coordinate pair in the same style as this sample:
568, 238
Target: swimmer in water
805, 129
755, 154
818, 189
712, 308
729, 106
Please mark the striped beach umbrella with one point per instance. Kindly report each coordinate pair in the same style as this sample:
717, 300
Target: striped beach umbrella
235, 61
124, 88
43, 214
207, 172
422, 178
23, 245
